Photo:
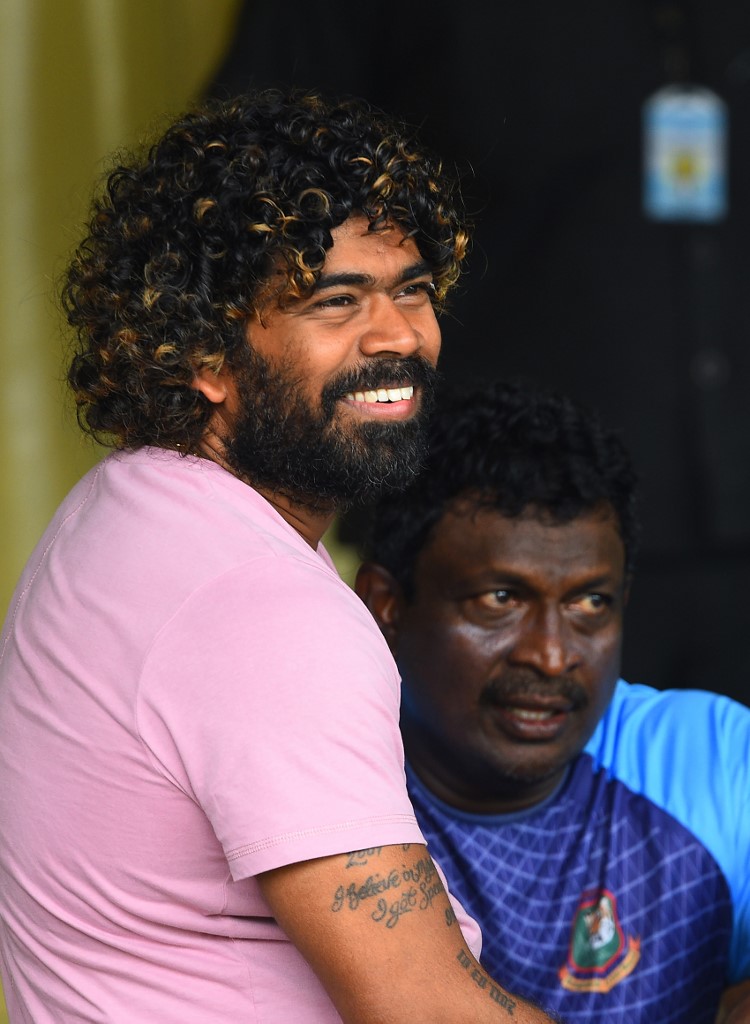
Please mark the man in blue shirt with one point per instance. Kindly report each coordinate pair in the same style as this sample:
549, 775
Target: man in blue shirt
598, 830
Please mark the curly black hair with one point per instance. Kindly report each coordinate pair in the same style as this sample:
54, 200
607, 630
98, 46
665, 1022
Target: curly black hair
183, 240
515, 448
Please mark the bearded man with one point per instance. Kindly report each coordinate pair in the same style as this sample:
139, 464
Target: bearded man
202, 794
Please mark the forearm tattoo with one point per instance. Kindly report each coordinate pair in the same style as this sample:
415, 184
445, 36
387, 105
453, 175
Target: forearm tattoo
413, 886
388, 897
483, 981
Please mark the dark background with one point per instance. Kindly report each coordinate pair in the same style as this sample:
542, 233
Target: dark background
539, 105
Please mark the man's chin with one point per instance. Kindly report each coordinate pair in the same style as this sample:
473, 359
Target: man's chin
337, 455
347, 465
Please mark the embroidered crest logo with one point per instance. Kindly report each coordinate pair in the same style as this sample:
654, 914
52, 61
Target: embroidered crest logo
599, 956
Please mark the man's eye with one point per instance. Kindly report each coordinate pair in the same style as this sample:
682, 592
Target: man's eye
333, 301
593, 603
419, 288
493, 600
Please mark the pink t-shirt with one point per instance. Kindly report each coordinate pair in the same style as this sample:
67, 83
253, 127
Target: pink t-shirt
189, 695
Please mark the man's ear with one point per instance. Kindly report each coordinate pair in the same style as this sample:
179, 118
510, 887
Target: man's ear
212, 385
383, 596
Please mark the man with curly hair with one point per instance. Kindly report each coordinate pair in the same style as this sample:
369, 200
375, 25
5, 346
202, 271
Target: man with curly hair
597, 830
202, 794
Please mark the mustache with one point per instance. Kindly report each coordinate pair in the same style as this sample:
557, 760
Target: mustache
514, 685
378, 373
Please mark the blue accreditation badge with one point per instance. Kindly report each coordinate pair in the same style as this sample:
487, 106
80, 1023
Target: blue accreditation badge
685, 155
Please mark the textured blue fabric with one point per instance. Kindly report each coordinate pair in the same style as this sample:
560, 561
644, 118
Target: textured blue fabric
626, 895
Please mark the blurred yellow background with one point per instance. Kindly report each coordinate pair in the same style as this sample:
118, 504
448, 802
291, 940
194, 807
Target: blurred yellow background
79, 79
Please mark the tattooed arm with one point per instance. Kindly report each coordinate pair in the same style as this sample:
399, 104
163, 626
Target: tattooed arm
378, 929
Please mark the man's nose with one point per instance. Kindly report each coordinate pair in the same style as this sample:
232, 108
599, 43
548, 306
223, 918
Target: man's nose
547, 644
389, 331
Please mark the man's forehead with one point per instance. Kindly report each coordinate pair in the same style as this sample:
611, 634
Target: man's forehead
358, 238
359, 225
474, 528
490, 506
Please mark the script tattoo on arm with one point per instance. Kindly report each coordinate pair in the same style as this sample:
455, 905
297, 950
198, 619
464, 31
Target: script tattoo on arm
361, 858
483, 981
387, 897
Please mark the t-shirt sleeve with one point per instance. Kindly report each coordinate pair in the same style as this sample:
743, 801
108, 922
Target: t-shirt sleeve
736, 723
688, 752
271, 699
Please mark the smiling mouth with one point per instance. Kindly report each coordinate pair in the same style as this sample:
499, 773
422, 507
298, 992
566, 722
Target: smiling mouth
383, 395
526, 714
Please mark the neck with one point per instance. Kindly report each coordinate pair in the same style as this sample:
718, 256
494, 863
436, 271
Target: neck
471, 789
508, 801
310, 520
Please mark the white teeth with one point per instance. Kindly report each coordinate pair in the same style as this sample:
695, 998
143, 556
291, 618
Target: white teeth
382, 395
533, 716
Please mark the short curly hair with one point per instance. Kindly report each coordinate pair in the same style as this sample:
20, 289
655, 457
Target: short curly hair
513, 447
183, 240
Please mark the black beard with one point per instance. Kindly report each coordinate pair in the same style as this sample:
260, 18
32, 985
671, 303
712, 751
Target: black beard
283, 444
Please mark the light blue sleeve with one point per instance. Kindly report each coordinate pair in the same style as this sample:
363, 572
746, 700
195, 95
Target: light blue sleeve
688, 752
